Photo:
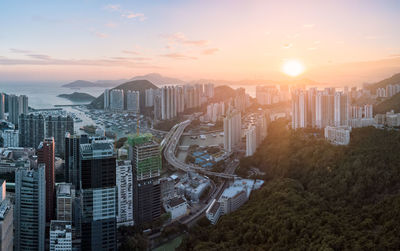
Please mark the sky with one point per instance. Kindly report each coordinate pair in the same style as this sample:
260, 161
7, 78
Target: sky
336, 41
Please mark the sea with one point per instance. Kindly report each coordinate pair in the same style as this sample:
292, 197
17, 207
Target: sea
44, 95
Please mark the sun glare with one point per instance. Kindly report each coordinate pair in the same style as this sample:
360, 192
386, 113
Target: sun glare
293, 68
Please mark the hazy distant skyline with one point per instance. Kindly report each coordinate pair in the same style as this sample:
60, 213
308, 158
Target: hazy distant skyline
232, 40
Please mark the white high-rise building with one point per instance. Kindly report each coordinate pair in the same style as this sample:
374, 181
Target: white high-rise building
299, 109
341, 109
117, 99
125, 193
61, 236
368, 111
10, 138
251, 140
209, 90
132, 101
149, 97
107, 99
232, 130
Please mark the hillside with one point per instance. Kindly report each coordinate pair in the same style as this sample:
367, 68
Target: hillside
78, 97
158, 79
136, 85
387, 105
395, 79
317, 196
81, 84
222, 93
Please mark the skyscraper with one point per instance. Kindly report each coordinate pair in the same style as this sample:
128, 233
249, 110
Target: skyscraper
30, 209
125, 193
98, 195
31, 130
117, 100
106, 99
2, 105
57, 127
232, 130
71, 157
46, 156
251, 140
132, 101
6, 219
146, 165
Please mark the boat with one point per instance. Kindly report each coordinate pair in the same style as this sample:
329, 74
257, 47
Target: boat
203, 137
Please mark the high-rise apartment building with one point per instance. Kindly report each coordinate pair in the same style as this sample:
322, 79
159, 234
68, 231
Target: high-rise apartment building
124, 184
251, 140
209, 90
314, 108
45, 153
2, 106
146, 165
232, 130
31, 130
10, 138
117, 100
98, 195
106, 97
57, 127
132, 101
149, 97
17, 105
6, 219
30, 208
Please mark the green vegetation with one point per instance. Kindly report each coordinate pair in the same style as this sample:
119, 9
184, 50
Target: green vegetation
387, 105
395, 79
78, 97
317, 196
222, 93
120, 142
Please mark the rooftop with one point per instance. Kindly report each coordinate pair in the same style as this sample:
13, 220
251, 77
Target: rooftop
175, 201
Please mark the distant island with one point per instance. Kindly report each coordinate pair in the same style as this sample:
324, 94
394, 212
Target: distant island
78, 97
82, 84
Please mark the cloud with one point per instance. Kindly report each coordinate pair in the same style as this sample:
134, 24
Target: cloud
394, 55
113, 62
101, 34
19, 51
113, 7
178, 56
180, 38
132, 58
312, 48
287, 46
308, 26
131, 52
131, 15
111, 24
125, 13
39, 56
210, 51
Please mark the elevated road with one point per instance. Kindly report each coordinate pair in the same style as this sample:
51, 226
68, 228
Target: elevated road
169, 144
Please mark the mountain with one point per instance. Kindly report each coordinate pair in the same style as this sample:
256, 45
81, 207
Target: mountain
111, 82
136, 85
395, 79
158, 79
317, 196
387, 105
78, 97
81, 84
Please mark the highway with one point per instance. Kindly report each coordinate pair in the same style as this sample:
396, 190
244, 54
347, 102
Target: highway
169, 144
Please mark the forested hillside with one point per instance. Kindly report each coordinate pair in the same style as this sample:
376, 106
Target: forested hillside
317, 196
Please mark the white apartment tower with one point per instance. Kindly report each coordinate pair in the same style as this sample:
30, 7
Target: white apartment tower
125, 193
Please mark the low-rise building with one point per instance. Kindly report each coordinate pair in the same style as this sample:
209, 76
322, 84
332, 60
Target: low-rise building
176, 206
339, 135
60, 235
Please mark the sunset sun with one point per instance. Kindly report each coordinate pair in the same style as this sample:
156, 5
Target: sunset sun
293, 68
